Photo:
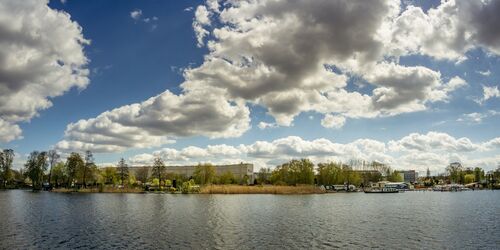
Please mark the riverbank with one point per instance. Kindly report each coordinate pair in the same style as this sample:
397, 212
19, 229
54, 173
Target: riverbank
210, 189
265, 189
96, 190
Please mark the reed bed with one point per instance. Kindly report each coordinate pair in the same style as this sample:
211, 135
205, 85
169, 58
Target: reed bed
265, 189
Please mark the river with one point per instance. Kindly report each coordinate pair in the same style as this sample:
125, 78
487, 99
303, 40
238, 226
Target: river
411, 220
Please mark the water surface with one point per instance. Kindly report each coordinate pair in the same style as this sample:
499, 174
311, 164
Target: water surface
104, 221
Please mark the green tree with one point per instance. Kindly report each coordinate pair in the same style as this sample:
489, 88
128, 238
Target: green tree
394, 176
109, 175
158, 170
294, 172
131, 179
478, 174
58, 173
188, 186
454, 171
122, 171
468, 178
204, 173
35, 167
264, 175
73, 164
329, 173
226, 178
6, 159
142, 174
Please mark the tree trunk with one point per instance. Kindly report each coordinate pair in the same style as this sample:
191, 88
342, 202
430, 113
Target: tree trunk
50, 175
84, 176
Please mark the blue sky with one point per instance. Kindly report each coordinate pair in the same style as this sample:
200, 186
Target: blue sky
134, 57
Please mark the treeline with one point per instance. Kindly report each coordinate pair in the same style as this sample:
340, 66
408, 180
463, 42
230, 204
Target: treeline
302, 171
45, 169
458, 174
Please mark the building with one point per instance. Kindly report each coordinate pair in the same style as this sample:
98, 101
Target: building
239, 171
409, 176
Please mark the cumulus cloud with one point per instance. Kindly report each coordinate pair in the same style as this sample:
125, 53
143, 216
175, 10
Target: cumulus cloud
41, 56
201, 19
264, 125
447, 31
333, 121
297, 56
493, 143
136, 14
415, 151
432, 142
9, 131
148, 124
490, 92
405, 89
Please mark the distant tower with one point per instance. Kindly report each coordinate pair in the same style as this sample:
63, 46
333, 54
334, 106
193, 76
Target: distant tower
428, 173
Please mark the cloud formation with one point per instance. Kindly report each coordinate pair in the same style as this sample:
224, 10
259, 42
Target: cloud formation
415, 151
333, 121
41, 57
327, 44
148, 124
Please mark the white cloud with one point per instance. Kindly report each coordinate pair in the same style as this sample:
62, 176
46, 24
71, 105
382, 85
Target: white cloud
476, 118
264, 125
484, 73
403, 89
148, 124
201, 19
447, 31
415, 151
250, 64
136, 14
333, 121
432, 142
490, 92
9, 131
493, 143
42, 57
472, 117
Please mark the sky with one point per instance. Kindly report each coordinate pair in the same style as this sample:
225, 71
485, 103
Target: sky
411, 84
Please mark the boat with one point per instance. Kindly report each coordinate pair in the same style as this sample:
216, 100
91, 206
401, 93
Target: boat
381, 190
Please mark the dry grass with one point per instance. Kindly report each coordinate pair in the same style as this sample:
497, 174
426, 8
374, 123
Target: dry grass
266, 189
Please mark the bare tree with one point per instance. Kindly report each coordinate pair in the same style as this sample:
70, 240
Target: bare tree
53, 159
89, 162
158, 169
122, 170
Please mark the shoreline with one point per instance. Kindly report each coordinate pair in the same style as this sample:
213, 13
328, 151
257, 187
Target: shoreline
209, 189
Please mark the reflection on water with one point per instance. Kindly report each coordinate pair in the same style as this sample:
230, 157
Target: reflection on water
406, 220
